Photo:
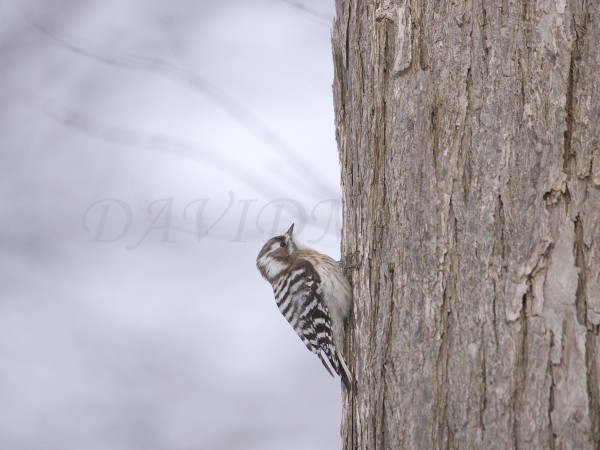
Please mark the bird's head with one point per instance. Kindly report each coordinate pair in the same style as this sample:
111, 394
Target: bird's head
277, 255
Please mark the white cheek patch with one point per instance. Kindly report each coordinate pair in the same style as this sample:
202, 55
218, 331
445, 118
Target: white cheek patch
272, 267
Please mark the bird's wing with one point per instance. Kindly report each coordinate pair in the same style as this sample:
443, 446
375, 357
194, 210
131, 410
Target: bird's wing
300, 300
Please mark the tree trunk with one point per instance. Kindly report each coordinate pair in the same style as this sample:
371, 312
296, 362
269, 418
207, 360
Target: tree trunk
469, 138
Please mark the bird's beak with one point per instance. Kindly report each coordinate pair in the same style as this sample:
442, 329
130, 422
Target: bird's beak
290, 231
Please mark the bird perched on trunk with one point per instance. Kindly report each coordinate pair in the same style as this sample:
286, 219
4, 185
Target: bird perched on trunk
313, 295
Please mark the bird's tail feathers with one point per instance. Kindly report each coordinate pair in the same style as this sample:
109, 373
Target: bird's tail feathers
344, 371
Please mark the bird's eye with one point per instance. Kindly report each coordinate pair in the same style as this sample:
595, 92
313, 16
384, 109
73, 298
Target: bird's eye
282, 244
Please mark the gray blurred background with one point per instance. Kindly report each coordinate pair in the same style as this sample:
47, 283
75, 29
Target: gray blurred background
148, 149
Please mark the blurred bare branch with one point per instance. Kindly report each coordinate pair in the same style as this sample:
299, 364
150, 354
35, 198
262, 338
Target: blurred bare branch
82, 122
277, 146
310, 11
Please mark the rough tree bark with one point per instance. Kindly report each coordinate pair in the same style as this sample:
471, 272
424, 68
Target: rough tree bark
469, 137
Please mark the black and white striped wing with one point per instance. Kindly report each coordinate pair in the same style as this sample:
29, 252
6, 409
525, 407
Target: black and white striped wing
300, 300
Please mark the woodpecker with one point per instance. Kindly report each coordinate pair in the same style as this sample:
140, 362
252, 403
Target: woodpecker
313, 295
